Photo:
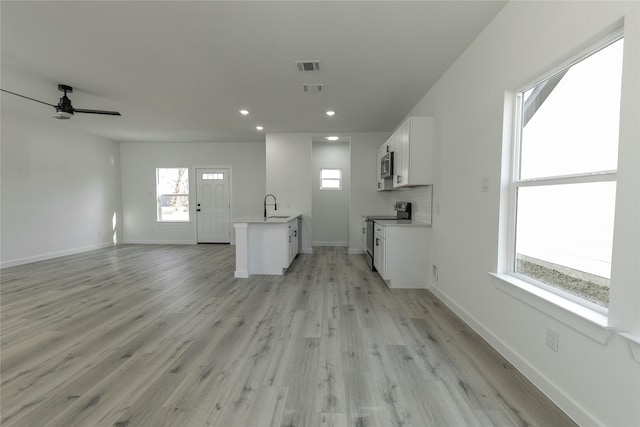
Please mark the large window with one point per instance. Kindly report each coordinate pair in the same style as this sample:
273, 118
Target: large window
172, 190
564, 176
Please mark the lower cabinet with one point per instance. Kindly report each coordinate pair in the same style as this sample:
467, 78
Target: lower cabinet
364, 235
401, 255
293, 239
379, 252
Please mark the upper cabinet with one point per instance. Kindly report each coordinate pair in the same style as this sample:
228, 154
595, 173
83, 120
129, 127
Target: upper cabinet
384, 150
413, 152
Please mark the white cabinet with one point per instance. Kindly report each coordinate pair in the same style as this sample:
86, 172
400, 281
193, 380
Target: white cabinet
384, 184
364, 235
401, 255
266, 245
293, 240
379, 251
401, 156
413, 152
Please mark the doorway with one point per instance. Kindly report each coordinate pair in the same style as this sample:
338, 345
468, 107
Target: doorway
213, 205
331, 191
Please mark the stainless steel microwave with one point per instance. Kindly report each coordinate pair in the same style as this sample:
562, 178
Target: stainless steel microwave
386, 166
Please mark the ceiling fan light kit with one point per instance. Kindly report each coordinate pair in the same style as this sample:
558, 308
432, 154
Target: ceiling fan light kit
64, 109
62, 115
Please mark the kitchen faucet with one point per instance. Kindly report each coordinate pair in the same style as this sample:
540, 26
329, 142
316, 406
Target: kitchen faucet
275, 205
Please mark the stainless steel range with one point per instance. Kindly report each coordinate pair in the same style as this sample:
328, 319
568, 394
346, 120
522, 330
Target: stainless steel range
403, 211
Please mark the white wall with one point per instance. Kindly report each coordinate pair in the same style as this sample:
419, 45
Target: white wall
139, 163
60, 190
595, 383
330, 208
289, 178
365, 198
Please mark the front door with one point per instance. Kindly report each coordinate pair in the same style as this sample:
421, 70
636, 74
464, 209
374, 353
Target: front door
213, 208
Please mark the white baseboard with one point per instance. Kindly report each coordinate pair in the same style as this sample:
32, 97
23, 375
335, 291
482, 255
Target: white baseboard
355, 251
544, 384
160, 242
51, 255
329, 243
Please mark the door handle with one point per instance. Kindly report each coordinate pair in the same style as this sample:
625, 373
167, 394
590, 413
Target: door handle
377, 242
198, 210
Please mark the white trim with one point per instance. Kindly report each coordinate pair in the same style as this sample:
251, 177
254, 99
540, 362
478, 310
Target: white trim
52, 255
634, 344
590, 323
339, 179
355, 251
173, 222
329, 243
600, 176
610, 35
511, 180
160, 242
507, 223
562, 399
158, 195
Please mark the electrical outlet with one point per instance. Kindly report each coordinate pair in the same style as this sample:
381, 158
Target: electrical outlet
552, 339
434, 272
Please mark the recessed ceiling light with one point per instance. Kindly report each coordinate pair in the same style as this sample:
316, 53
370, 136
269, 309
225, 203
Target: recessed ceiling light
331, 138
259, 127
331, 113
244, 112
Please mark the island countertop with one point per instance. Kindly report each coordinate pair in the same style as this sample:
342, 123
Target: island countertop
271, 219
402, 222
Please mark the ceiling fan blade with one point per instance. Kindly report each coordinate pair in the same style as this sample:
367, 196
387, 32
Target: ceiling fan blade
108, 113
31, 99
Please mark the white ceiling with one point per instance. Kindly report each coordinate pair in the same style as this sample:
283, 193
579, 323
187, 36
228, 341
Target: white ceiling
180, 71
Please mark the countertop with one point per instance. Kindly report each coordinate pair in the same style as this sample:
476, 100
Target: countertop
402, 222
259, 219
389, 216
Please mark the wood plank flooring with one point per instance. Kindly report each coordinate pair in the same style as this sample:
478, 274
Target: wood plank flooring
165, 336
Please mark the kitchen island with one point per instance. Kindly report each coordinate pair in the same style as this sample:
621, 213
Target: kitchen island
266, 245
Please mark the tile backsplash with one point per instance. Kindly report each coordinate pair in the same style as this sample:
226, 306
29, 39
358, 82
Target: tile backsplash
421, 199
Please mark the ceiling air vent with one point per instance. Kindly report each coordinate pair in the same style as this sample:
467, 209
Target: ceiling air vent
313, 88
308, 65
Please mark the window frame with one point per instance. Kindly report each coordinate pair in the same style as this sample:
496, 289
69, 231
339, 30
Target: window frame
160, 195
339, 179
515, 182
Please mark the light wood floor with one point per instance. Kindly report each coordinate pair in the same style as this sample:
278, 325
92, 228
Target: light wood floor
164, 335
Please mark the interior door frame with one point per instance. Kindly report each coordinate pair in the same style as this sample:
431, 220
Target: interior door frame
232, 238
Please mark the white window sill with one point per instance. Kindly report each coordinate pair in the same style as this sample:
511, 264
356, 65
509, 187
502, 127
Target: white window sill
634, 344
590, 323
